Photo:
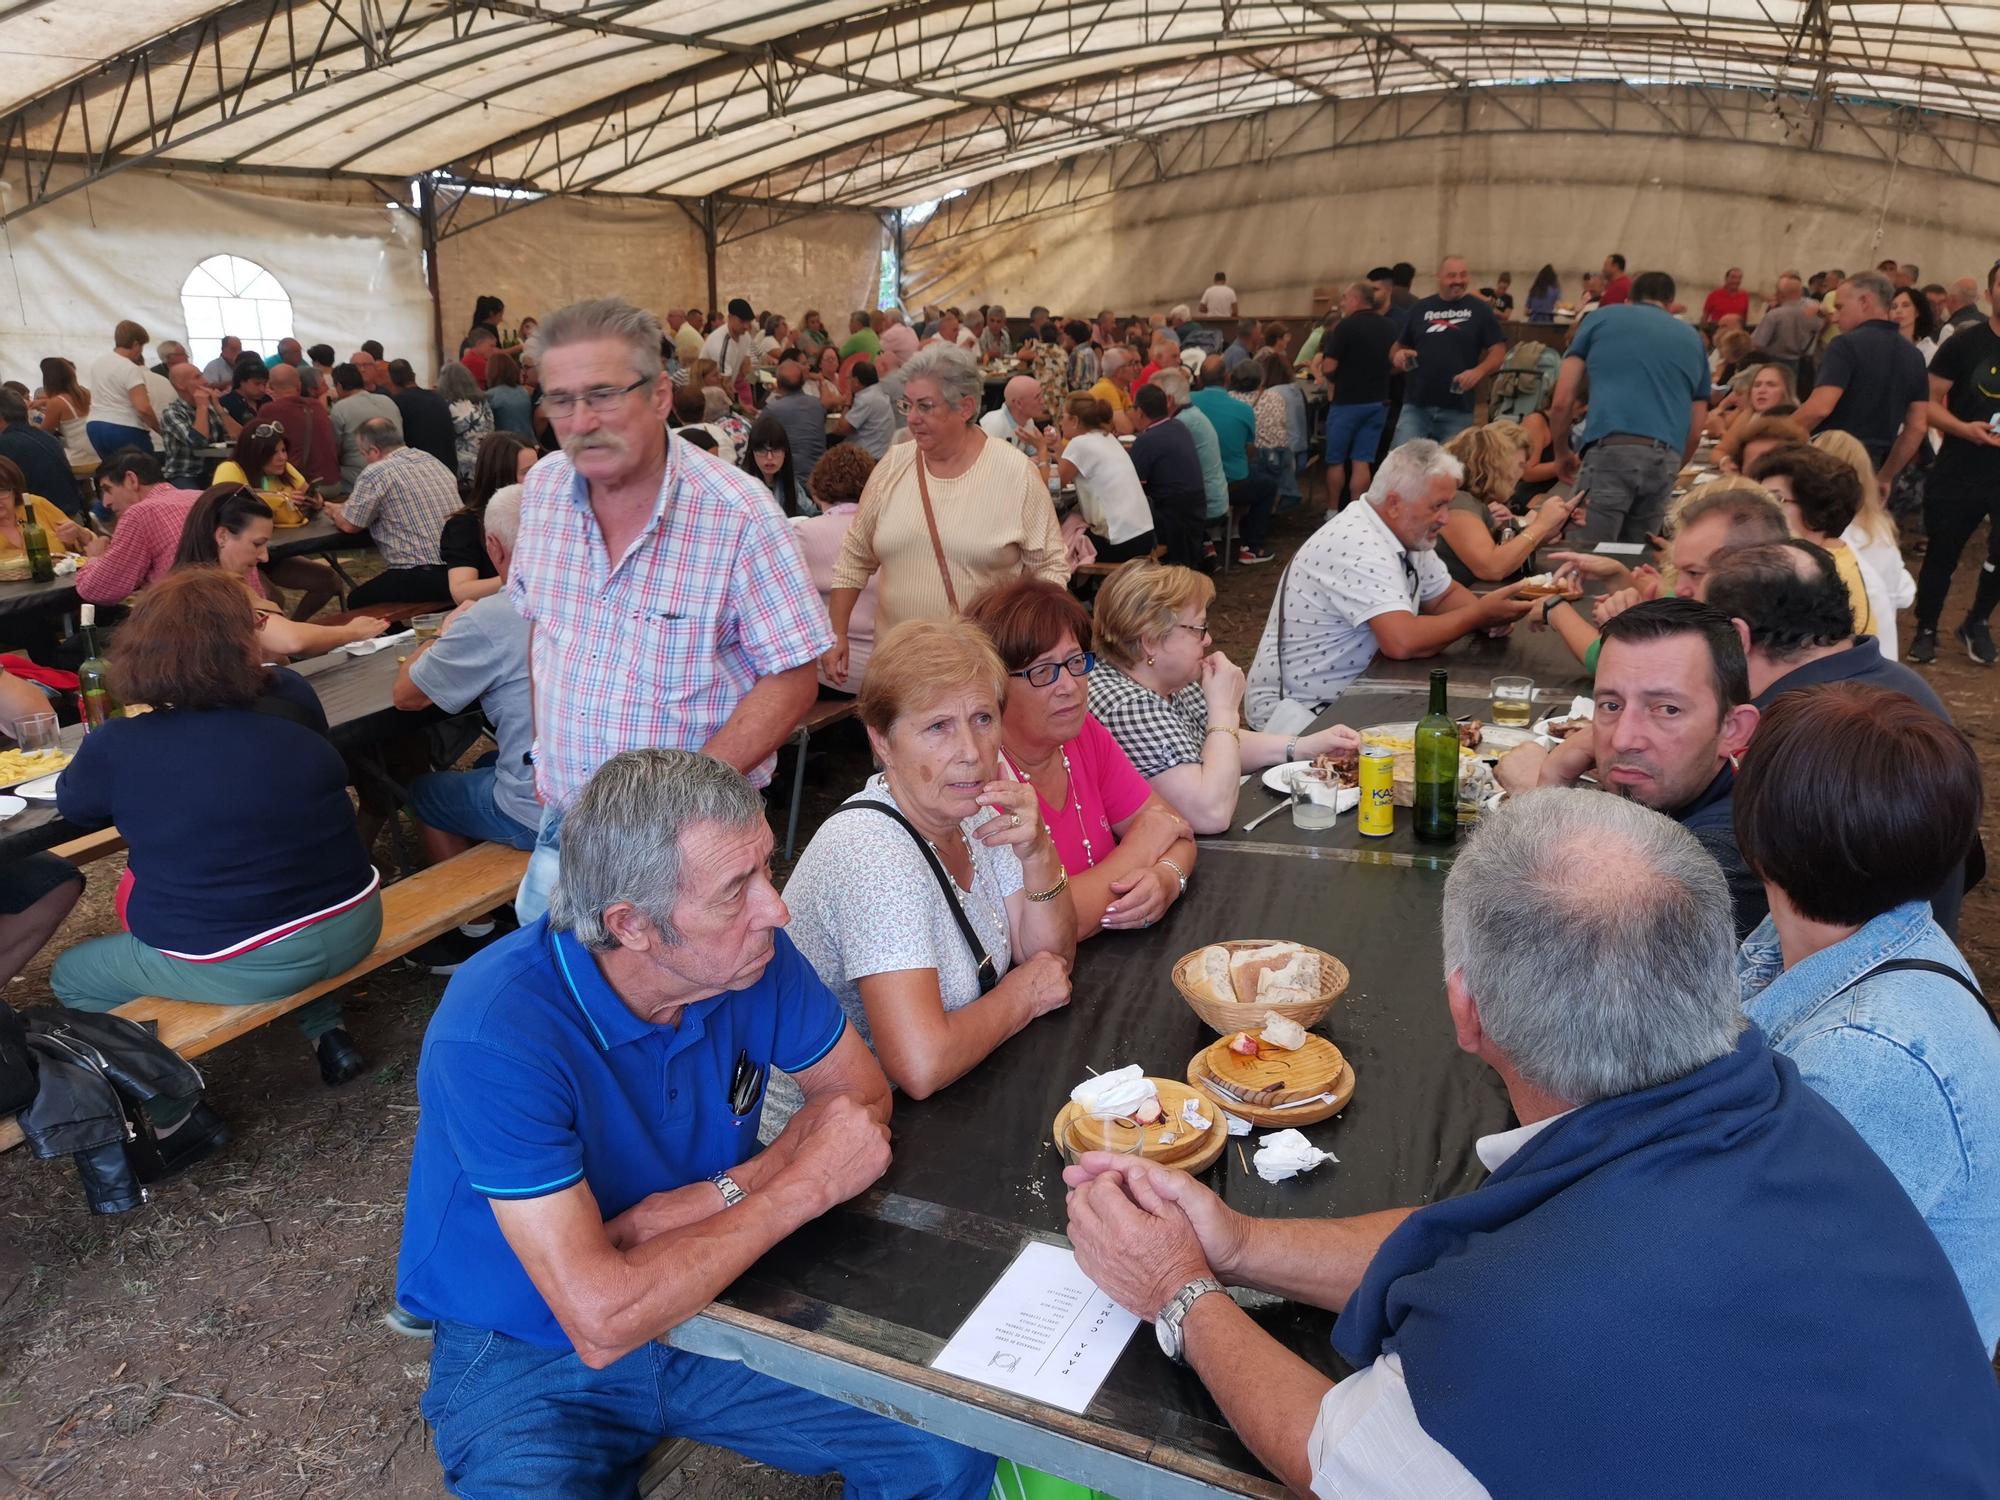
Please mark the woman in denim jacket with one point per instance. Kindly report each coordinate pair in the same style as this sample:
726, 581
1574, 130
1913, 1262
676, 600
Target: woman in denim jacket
1853, 805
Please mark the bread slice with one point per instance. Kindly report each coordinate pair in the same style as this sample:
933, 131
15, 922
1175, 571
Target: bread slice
1211, 974
1301, 973
1248, 966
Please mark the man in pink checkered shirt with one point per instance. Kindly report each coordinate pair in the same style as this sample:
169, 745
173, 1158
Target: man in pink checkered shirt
141, 550
668, 605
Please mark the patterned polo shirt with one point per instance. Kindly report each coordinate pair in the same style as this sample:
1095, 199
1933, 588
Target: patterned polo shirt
403, 501
1348, 572
655, 648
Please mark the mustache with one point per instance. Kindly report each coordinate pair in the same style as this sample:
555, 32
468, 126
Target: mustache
588, 442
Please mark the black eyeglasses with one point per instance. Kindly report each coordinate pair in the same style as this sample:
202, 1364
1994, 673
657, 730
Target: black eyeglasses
1044, 673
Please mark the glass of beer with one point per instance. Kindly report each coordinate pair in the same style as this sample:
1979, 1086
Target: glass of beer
1513, 701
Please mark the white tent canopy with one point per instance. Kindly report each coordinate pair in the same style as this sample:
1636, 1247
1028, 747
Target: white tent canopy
849, 102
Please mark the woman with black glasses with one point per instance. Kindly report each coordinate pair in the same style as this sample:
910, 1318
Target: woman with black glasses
770, 461
1128, 854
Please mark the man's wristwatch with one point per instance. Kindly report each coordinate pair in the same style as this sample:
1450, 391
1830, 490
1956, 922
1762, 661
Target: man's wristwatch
1167, 1327
731, 1193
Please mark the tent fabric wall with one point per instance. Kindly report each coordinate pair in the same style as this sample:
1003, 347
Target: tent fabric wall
352, 265
562, 249
1282, 228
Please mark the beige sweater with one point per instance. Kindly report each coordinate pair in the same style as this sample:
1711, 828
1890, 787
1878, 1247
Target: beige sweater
995, 520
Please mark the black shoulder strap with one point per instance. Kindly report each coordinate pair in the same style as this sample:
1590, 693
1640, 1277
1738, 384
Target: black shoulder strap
1927, 966
989, 973
284, 708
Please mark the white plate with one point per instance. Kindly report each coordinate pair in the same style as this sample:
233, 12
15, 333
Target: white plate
1276, 778
11, 805
41, 789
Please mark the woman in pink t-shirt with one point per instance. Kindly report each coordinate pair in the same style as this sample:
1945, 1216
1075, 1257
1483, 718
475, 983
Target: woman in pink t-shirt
1127, 853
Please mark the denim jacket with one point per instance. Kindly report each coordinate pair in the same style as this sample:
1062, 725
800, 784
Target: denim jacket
1912, 1063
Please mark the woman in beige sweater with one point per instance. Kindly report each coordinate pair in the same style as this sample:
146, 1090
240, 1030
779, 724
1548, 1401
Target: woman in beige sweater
990, 507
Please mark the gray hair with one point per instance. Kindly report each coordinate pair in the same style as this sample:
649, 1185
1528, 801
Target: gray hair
1409, 468
1174, 382
602, 318
1167, 336
503, 515
1875, 285
455, 383
380, 433
1178, 310
1597, 938
951, 369
622, 838
1115, 359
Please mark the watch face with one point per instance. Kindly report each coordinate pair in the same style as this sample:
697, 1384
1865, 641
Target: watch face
1169, 1338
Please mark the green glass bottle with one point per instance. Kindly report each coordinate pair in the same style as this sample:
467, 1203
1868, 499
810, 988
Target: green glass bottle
1435, 817
93, 691
36, 541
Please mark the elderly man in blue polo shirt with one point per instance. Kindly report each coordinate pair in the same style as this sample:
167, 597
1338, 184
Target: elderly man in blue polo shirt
586, 1174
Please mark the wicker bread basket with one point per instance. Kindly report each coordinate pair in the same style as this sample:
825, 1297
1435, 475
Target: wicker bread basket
1228, 1016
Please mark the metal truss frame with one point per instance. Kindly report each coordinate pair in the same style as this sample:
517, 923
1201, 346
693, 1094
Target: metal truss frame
978, 94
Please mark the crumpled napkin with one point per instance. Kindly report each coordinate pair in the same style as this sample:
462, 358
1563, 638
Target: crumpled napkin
1115, 1095
1286, 1153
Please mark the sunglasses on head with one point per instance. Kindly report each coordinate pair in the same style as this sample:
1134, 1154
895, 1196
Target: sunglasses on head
269, 429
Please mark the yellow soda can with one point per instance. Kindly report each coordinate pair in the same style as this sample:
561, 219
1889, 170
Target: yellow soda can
1376, 817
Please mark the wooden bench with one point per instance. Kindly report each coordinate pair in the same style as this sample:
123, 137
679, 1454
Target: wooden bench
428, 904
91, 846
1106, 569
825, 712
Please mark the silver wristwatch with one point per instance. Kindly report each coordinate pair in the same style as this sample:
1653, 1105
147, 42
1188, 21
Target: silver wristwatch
1167, 1327
731, 1193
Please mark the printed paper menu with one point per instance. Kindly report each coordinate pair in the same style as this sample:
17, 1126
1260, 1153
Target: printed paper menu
1044, 1331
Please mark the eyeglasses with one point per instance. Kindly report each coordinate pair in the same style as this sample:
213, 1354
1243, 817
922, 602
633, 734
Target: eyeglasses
600, 399
269, 429
1044, 673
1199, 632
926, 408
771, 452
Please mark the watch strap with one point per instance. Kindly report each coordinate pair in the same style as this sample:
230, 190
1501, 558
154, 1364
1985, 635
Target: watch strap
1175, 1312
732, 1194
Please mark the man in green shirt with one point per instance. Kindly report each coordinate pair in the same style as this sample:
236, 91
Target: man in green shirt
860, 338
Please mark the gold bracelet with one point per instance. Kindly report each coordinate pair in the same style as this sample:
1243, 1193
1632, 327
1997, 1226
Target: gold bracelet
1061, 885
1179, 873
1228, 729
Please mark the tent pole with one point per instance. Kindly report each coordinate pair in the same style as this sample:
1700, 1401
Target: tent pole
427, 217
899, 257
708, 244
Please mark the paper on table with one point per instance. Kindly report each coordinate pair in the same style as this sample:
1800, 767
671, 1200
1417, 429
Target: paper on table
378, 643
1620, 549
1043, 1331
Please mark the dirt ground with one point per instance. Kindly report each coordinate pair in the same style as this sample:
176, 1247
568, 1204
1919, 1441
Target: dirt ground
225, 1341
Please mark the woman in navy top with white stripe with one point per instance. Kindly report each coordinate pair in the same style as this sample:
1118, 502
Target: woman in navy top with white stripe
246, 880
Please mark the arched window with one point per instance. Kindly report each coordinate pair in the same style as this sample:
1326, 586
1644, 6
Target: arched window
228, 294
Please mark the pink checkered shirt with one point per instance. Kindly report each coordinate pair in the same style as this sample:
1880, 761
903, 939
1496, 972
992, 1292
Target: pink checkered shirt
660, 649
142, 547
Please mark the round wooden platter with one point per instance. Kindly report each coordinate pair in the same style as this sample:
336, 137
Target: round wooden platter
1191, 1151
1316, 1068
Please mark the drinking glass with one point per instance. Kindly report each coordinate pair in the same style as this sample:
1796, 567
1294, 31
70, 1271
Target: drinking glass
1513, 701
427, 626
37, 734
1308, 811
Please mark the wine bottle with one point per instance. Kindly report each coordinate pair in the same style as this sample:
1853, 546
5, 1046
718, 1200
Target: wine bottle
1435, 816
93, 688
36, 541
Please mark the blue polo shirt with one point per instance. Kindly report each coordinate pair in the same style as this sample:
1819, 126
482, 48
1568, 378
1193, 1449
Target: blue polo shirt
535, 1076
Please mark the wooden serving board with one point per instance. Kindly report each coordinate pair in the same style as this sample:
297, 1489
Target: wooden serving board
1191, 1150
1273, 1119
1274, 1076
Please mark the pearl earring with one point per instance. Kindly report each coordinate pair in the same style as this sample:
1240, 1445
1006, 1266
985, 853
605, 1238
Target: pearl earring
1149, 661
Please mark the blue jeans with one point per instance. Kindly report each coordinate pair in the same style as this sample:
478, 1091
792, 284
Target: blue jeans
1438, 423
461, 802
511, 1419
531, 901
108, 437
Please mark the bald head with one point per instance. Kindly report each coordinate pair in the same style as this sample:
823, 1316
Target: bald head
1454, 276
1964, 293
1024, 399
791, 376
186, 379
284, 381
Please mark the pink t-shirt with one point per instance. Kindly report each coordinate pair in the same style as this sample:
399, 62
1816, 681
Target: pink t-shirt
1105, 788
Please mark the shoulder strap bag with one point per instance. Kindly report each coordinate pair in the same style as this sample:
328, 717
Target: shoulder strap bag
937, 545
1926, 966
989, 972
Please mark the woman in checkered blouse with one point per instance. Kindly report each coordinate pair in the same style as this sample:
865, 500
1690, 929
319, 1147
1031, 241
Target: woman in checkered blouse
1176, 707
